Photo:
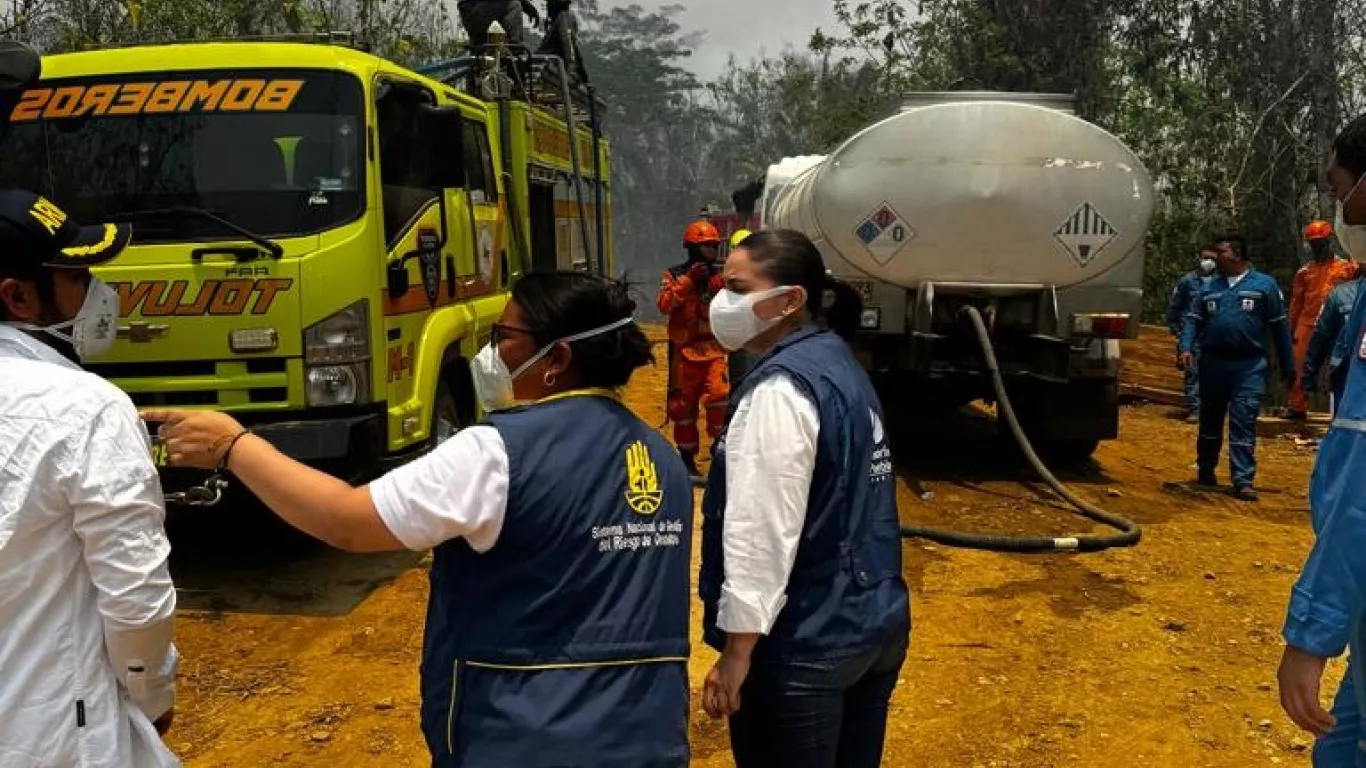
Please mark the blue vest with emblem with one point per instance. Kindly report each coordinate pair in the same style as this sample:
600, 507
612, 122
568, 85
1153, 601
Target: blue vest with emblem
566, 644
846, 593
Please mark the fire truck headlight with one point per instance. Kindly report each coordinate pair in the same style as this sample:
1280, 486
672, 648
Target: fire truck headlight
330, 385
342, 338
337, 358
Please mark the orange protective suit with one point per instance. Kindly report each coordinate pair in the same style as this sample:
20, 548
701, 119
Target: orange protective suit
698, 376
1310, 290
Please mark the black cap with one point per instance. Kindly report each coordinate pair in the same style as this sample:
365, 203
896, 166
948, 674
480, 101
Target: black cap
34, 229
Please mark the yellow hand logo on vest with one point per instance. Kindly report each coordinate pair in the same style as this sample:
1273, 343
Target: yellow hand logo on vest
642, 481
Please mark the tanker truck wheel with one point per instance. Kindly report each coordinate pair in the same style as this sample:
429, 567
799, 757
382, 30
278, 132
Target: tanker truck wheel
1058, 454
1067, 453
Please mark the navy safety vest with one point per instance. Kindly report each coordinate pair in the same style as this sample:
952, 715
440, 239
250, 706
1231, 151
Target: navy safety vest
846, 593
567, 643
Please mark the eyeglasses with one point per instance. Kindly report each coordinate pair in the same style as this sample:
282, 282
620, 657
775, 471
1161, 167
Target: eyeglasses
499, 332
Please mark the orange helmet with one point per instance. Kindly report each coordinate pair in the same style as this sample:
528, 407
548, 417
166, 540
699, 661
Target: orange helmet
1318, 230
701, 233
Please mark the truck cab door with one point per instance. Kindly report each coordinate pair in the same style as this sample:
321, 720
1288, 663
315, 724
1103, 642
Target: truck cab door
425, 216
488, 243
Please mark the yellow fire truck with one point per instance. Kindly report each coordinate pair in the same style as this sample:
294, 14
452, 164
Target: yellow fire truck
322, 238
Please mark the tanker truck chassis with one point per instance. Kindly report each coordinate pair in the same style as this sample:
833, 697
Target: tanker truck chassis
1065, 387
1007, 203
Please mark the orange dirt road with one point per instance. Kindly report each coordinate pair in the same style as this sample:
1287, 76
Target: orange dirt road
1159, 656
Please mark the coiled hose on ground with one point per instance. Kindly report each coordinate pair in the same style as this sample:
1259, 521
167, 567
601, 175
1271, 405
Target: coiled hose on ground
1129, 531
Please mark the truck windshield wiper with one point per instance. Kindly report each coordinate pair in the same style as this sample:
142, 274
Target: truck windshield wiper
269, 246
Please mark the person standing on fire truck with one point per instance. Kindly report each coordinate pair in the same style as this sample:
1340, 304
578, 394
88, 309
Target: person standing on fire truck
1313, 283
697, 363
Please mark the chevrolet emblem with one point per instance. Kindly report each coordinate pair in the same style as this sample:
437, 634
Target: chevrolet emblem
143, 333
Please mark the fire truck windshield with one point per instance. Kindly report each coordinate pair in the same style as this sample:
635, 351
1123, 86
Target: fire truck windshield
277, 152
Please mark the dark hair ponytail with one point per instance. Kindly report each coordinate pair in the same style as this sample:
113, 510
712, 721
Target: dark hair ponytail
788, 257
560, 304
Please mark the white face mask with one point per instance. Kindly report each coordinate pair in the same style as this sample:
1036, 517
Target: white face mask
734, 322
93, 329
1207, 266
493, 381
1352, 236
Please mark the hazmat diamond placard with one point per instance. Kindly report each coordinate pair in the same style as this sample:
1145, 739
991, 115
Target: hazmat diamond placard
1085, 234
884, 233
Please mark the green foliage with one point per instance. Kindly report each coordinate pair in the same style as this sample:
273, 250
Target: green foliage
1231, 106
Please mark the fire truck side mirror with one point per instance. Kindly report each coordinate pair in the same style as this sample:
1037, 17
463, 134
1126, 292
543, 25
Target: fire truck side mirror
441, 131
398, 279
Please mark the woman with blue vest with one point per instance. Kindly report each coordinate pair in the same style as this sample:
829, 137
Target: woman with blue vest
801, 549
557, 627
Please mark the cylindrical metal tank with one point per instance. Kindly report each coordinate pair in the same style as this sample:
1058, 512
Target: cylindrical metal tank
978, 190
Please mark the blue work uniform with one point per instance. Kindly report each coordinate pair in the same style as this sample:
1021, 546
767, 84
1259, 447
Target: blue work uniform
1187, 290
1331, 340
567, 643
1325, 612
1230, 323
846, 592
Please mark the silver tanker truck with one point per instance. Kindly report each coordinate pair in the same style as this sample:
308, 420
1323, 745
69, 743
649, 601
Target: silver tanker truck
1007, 203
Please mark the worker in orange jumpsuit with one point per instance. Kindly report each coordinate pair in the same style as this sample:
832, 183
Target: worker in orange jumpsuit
1310, 290
697, 373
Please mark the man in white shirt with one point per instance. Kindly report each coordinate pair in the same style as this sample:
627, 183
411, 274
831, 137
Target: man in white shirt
86, 600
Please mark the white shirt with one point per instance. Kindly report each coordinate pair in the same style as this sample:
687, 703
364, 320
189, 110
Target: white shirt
85, 593
1233, 281
770, 460
460, 489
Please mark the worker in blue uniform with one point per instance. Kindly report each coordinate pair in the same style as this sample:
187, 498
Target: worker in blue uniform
557, 623
1187, 289
1230, 322
1325, 613
1331, 342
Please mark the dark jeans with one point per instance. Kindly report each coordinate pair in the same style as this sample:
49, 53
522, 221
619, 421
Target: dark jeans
817, 714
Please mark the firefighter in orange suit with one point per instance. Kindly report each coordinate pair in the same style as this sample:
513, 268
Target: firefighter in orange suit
1312, 285
697, 374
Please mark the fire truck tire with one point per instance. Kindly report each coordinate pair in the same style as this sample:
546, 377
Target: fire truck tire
446, 419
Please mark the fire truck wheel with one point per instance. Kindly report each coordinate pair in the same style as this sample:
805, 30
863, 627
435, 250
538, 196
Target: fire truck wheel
445, 414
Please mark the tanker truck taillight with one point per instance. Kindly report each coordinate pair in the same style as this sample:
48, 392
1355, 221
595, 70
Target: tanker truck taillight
1101, 326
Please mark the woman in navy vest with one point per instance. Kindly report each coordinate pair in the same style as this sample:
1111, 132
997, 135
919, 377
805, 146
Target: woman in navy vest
801, 550
557, 628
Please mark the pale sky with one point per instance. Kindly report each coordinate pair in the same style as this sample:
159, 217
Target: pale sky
746, 27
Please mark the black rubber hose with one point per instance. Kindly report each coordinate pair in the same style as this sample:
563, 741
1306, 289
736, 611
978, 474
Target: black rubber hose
1129, 531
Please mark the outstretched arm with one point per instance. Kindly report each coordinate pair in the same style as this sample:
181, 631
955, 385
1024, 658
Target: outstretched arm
312, 501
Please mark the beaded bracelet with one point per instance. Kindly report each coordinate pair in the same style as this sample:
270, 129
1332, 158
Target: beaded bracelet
223, 464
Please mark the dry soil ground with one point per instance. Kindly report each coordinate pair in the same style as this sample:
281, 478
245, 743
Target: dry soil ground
1163, 655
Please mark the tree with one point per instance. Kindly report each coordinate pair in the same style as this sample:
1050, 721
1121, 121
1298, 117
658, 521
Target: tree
662, 129
1231, 106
